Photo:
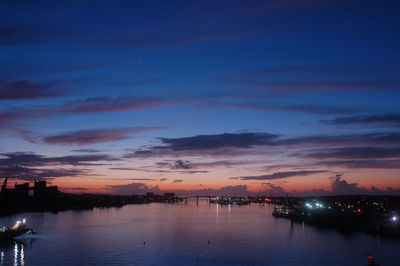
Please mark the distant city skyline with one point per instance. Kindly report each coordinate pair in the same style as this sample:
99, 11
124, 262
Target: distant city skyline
193, 97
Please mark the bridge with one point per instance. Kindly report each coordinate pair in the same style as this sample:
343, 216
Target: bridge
204, 197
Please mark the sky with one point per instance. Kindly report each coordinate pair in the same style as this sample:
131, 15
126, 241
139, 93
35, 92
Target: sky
297, 97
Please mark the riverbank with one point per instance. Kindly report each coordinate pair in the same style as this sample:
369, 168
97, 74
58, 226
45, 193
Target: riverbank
368, 214
85, 201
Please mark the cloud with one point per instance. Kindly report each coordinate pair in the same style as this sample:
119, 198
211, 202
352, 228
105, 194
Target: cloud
88, 137
142, 188
87, 150
74, 189
156, 170
241, 144
342, 187
352, 153
31, 166
320, 69
185, 164
143, 179
163, 179
177, 181
305, 108
7, 118
381, 120
89, 105
30, 174
339, 186
219, 152
280, 175
179, 164
239, 140
28, 68
144, 81
109, 104
274, 190
32, 159
367, 164
227, 144
133, 189
337, 140
24, 89
279, 88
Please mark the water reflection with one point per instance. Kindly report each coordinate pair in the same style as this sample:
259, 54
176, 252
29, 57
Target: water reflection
12, 252
187, 234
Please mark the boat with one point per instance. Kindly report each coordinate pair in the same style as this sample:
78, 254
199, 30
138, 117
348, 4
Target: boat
18, 229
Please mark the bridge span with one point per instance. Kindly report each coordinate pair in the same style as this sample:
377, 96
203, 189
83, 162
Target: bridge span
203, 197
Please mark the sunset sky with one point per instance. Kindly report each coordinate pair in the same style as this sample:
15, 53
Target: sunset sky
217, 97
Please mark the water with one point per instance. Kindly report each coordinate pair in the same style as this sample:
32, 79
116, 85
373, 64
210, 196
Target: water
178, 234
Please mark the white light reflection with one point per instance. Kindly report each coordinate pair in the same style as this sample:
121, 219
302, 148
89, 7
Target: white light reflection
19, 255
217, 213
22, 256
15, 254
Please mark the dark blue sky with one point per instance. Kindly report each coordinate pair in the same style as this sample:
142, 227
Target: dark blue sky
275, 96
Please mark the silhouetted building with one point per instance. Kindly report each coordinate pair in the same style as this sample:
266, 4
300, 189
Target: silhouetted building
21, 190
42, 191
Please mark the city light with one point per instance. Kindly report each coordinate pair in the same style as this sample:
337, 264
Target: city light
316, 205
394, 218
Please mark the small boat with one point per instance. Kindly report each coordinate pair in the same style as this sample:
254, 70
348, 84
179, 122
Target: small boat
19, 228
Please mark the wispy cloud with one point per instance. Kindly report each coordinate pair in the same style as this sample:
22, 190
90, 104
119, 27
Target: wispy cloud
343, 140
280, 175
310, 108
29, 174
227, 144
185, 164
87, 137
239, 140
295, 87
150, 170
11, 116
25, 89
240, 144
362, 69
31, 166
87, 150
26, 68
109, 104
378, 120
33, 159
362, 164
352, 153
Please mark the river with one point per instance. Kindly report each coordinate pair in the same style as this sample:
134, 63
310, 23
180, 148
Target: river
187, 234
